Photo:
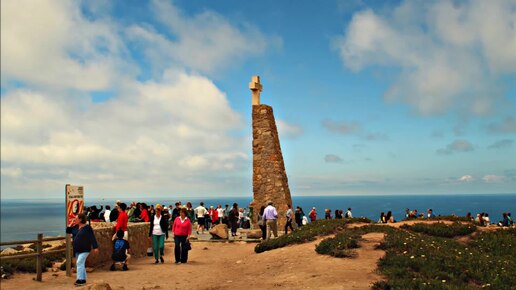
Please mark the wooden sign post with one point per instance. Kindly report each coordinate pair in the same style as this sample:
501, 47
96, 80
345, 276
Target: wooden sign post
74, 200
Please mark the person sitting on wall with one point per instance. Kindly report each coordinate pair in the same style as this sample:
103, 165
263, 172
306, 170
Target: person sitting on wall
430, 213
120, 251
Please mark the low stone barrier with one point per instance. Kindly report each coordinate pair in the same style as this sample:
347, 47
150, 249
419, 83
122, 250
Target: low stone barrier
138, 241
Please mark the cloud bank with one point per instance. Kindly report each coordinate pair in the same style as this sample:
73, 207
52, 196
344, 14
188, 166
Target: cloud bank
171, 132
450, 55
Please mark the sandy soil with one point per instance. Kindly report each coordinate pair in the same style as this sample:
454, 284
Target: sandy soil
223, 265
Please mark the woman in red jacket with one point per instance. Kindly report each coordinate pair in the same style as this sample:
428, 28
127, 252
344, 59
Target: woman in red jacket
182, 229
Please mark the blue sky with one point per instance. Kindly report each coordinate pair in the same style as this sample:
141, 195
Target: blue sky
151, 97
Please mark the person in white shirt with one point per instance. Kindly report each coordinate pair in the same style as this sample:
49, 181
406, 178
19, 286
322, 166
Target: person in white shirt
200, 211
220, 212
107, 212
270, 214
348, 214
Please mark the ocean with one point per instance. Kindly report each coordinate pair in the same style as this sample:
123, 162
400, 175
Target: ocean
24, 219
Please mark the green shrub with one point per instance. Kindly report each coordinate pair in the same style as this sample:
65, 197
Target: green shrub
441, 229
359, 220
304, 234
28, 265
342, 244
415, 260
451, 218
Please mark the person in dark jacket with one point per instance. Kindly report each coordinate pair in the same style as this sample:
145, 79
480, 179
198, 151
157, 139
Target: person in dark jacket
95, 213
83, 240
175, 212
233, 219
158, 231
113, 216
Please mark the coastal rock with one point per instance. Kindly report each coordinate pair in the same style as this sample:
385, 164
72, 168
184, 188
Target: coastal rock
254, 234
9, 251
219, 231
151, 287
98, 286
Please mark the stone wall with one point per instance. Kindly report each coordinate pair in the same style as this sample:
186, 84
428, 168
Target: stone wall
270, 180
138, 240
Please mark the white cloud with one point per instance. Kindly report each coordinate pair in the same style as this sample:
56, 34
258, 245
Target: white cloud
451, 55
205, 42
466, 178
493, 178
174, 132
456, 146
50, 44
287, 130
332, 158
341, 127
11, 172
157, 130
507, 125
501, 144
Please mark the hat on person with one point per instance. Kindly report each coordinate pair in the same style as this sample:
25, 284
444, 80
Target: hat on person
165, 208
269, 202
158, 206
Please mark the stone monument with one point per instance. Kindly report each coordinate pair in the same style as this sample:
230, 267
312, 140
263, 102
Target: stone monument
270, 182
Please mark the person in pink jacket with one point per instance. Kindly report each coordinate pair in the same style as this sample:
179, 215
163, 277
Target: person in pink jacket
182, 229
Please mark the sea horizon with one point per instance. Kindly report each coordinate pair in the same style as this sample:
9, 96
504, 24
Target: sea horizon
22, 219
116, 197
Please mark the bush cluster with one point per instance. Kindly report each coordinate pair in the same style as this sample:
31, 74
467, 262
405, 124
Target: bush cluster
342, 245
304, 234
28, 265
441, 229
424, 256
416, 260
451, 218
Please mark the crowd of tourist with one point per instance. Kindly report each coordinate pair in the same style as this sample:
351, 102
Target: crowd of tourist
181, 219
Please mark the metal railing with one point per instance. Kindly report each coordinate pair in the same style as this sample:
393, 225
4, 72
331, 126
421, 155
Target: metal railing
38, 254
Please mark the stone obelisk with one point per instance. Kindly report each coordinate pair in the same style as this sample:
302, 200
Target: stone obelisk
270, 182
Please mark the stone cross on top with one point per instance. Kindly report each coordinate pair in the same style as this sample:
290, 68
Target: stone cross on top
256, 88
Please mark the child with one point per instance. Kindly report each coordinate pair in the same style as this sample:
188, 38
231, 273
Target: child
120, 249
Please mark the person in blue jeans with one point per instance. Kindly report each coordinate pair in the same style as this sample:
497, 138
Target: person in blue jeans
83, 240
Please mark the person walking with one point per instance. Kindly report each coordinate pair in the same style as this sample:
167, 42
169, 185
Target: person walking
313, 215
298, 217
182, 229
233, 219
158, 230
261, 223
83, 240
200, 211
290, 216
220, 213
270, 215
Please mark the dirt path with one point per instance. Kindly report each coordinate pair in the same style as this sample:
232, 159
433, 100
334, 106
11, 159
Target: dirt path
223, 265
